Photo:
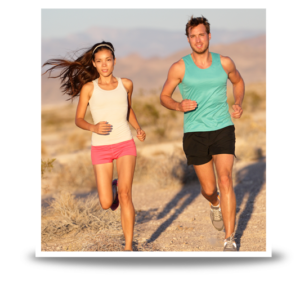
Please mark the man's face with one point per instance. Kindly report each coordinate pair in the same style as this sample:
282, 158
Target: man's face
199, 39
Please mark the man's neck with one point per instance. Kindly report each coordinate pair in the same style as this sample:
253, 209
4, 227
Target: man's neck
202, 60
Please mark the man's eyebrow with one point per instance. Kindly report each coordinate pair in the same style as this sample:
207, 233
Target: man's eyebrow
198, 34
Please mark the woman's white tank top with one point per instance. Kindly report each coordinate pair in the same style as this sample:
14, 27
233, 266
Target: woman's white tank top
110, 106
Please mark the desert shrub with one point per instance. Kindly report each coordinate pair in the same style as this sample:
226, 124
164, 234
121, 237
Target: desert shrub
47, 166
67, 214
173, 171
160, 131
172, 114
147, 112
79, 174
253, 100
142, 168
78, 141
60, 118
151, 111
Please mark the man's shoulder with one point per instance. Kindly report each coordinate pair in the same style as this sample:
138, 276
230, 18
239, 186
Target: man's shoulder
225, 59
178, 64
227, 63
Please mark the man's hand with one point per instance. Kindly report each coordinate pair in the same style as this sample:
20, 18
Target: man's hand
187, 105
140, 134
238, 111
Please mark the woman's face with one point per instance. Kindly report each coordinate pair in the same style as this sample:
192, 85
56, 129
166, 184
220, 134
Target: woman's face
104, 62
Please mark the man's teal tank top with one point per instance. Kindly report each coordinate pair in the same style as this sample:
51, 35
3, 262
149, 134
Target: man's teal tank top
208, 88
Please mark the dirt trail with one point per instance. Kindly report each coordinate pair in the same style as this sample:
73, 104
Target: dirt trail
178, 219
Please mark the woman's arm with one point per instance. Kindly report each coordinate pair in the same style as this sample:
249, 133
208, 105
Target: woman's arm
102, 127
141, 135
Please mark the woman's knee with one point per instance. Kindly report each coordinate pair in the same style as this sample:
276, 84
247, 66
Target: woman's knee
105, 204
124, 197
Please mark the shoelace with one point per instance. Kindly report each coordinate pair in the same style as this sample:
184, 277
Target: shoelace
229, 242
217, 214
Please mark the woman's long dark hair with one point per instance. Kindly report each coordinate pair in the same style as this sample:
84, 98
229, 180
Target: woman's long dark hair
75, 74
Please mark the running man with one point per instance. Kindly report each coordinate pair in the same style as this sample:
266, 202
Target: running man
209, 133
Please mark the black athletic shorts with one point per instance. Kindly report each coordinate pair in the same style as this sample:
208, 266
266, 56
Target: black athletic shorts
200, 146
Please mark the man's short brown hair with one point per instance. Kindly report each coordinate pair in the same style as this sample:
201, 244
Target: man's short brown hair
196, 21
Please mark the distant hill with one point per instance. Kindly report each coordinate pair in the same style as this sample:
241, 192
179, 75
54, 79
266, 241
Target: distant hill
145, 42
149, 74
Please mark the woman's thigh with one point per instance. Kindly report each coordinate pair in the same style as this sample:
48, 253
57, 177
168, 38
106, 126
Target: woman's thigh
103, 174
125, 168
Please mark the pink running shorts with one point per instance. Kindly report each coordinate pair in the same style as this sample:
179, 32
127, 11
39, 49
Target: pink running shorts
102, 154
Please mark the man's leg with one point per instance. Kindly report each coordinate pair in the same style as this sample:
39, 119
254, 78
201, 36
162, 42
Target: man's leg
206, 176
224, 164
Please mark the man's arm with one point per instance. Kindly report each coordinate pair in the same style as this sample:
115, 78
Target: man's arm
238, 85
175, 76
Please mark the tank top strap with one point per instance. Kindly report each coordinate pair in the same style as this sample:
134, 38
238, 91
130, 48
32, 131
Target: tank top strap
216, 58
188, 61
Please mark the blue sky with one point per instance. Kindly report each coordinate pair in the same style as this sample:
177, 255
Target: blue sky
62, 22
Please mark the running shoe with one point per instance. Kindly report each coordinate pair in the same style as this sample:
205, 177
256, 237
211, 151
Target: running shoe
229, 244
115, 204
216, 216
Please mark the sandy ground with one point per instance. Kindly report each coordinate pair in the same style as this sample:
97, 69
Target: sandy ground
177, 219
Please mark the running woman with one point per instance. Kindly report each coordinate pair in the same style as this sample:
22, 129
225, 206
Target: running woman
209, 134
91, 78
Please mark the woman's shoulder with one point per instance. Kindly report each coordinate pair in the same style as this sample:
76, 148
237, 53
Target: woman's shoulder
87, 88
127, 83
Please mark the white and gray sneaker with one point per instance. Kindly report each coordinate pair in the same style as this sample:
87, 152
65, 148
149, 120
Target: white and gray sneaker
229, 244
216, 217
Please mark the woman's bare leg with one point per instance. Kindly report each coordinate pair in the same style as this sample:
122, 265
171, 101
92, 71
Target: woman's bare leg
103, 174
125, 168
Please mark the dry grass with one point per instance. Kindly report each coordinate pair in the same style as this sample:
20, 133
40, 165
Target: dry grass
79, 174
254, 99
57, 119
164, 170
78, 224
47, 165
69, 215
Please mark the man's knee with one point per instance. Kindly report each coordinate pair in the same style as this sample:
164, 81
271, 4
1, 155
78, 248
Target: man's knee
225, 181
211, 191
